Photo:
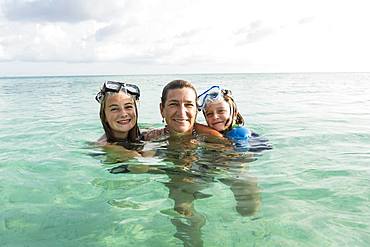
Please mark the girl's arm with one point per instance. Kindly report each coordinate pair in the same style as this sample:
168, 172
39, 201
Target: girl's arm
205, 130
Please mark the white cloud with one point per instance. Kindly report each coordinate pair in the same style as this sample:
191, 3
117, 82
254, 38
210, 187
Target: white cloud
253, 33
61, 10
164, 36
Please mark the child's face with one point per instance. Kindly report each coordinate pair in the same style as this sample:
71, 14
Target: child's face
120, 114
218, 115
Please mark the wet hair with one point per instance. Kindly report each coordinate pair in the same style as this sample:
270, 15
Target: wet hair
176, 84
133, 134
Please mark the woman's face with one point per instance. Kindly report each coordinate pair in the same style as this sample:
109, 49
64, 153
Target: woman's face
120, 113
218, 115
180, 110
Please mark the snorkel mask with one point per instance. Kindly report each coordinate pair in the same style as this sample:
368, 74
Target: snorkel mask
116, 86
214, 93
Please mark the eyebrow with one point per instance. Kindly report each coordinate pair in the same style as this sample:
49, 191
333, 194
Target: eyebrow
125, 104
177, 101
219, 108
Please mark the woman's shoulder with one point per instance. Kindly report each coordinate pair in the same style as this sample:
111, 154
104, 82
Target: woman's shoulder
154, 134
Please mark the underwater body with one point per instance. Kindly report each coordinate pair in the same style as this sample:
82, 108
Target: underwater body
311, 189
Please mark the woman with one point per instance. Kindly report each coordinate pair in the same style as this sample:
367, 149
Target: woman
118, 114
178, 108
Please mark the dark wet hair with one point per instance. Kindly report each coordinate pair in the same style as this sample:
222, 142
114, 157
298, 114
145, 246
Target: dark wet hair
133, 134
176, 84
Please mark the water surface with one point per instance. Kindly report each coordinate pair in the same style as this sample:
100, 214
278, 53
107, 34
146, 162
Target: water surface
311, 189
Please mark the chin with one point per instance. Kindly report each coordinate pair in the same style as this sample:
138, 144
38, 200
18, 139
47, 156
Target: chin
218, 128
125, 129
182, 129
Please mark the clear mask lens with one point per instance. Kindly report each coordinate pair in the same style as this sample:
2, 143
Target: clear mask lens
132, 89
212, 94
115, 86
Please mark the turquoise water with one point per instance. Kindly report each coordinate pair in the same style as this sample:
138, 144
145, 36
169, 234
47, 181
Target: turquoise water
311, 189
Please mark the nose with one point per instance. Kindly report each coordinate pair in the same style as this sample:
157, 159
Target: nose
182, 110
215, 115
123, 112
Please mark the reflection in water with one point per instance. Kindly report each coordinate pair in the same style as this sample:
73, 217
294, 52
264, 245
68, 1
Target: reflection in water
246, 194
185, 184
194, 166
188, 229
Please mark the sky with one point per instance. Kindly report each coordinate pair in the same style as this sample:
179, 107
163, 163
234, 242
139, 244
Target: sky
101, 37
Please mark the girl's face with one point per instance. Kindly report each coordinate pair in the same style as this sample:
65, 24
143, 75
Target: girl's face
218, 115
180, 110
120, 113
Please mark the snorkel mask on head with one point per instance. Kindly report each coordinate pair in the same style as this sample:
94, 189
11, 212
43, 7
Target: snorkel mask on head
116, 86
213, 94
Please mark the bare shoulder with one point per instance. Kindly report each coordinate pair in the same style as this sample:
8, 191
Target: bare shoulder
102, 140
153, 134
205, 130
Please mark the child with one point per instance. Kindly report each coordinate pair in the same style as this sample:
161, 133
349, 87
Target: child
118, 114
221, 113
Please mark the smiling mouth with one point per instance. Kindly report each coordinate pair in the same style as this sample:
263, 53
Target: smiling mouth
181, 120
218, 123
123, 122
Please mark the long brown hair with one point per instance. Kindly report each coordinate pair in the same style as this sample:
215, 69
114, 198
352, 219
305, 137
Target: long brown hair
133, 134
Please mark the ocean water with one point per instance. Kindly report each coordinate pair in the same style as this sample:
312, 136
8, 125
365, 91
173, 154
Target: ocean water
311, 189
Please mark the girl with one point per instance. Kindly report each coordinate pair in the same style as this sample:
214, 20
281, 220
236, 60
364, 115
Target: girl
118, 114
221, 113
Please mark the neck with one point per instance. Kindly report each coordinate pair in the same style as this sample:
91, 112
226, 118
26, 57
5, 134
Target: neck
120, 135
180, 134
